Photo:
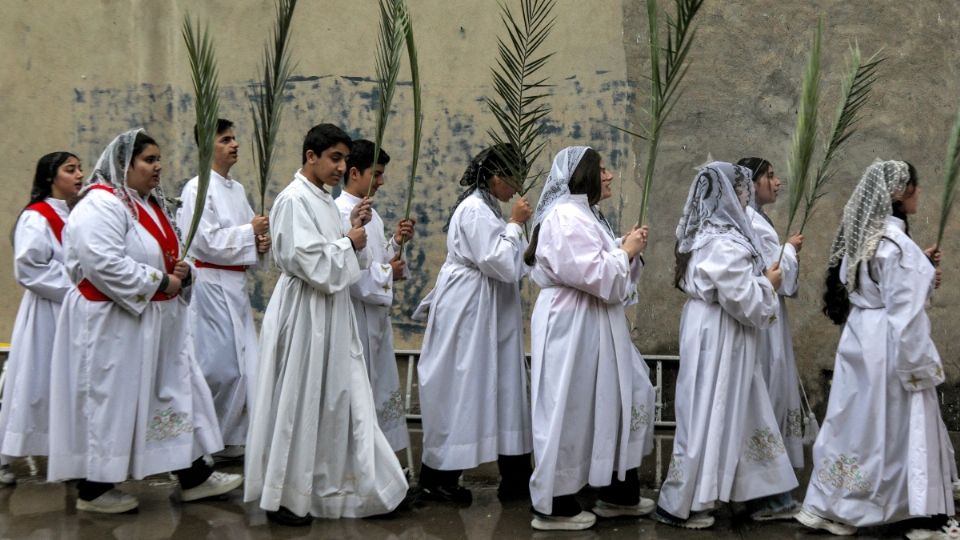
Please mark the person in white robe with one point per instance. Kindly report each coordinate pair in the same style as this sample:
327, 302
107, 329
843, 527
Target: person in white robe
228, 241
127, 398
775, 351
883, 454
727, 445
38, 268
472, 373
314, 448
372, 294
593, 401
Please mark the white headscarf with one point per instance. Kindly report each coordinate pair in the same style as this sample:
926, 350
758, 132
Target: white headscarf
713, 210
865, 215
111, 170
557, 187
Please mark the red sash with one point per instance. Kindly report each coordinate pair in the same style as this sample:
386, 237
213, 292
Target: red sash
167, 239
237, 268
53, 218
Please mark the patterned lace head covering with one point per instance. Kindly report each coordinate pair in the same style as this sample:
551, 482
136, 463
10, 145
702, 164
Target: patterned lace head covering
713, 209
865, 215
557, 187
111, 170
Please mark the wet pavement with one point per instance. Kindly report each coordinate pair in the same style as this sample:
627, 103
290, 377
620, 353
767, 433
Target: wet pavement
37, 510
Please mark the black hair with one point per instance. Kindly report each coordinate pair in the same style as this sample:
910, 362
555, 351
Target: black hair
585, 180
836, 298
758, 166
682, 261
323, 136
140, 143
222, 125
492, 161
46, 172
361, 156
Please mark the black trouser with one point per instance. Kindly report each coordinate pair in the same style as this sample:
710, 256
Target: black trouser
514, 470
624, 492
191, 477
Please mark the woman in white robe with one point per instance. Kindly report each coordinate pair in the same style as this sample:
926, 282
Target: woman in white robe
314, 449
472, 374
592, 396
727, 445
775, 351
38, 268
883, 454
127, 397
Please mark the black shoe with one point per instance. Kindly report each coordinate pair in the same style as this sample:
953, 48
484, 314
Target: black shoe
513, 492
457, 495
284, 516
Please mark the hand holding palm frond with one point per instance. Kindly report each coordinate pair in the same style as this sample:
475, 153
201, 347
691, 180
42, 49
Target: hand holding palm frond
805, 134
276, 69
203, 69
390, 44
854, 92
521, 108
417, 116
950, 180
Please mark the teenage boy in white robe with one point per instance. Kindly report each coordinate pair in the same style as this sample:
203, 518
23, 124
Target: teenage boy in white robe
372, 295
314, 449
227, 242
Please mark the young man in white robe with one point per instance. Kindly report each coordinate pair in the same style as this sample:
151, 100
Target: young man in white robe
372, 294
228, 241
314, 449
727, 445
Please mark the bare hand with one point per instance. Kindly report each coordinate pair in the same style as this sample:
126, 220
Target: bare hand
934, 254
361, 213
263, 243
358, 235
398, 267
796, 241
173, 284
521, 211
635, 241
937, 277
181, 270
261, 224
775, 275
404, 231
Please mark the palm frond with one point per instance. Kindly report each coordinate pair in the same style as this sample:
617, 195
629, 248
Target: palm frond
203, 71
805, 134
268, 103
665, 78
520, 107
417, 113
950, 180
854, 92
390, 45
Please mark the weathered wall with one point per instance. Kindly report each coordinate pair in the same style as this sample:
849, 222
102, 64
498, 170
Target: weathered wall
77, 73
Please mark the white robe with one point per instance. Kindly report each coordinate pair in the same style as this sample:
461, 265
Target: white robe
472, 374
727, 445
314, 445
883, 453
37, 267
127, 397
775, 351
372, 297
224, 338
593, 403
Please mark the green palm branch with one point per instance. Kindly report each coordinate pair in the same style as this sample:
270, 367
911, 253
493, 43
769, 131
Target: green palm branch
668, 67
267, 106
854, 93
390, 45
950, 180
417, 114
520, 106
203, 71
805, 134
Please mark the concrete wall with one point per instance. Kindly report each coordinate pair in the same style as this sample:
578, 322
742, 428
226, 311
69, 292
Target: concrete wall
76, 74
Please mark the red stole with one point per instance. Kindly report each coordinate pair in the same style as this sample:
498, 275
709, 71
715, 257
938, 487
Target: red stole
52, 217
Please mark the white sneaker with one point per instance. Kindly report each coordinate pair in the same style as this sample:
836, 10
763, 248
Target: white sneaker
610, 510
111, 502
217, 484
950, 531
7, 477
809, 519
579, 522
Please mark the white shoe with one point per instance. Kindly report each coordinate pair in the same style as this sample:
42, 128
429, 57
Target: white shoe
230, 453
111, 502
949, 531
701, 520
579, 522
610, 510
7, 477
809, 519
217, 484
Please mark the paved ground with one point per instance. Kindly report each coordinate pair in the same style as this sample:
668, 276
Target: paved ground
37, 510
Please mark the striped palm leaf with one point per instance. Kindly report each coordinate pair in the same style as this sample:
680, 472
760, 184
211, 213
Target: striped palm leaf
417, 115
390, 44
951, 168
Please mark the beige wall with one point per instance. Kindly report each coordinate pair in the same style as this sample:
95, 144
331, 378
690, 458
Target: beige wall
77, 73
